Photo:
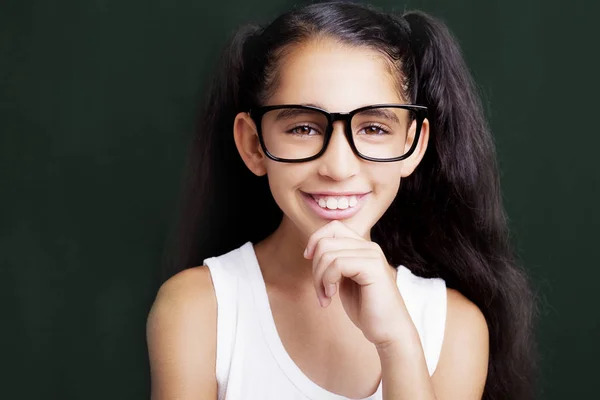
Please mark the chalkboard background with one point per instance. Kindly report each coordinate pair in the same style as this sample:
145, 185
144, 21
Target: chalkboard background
97, 107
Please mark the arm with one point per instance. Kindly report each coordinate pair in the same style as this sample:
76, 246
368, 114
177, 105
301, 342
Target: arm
462, 368
181, 335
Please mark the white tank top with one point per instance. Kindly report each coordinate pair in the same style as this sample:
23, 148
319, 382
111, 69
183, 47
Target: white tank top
252, 363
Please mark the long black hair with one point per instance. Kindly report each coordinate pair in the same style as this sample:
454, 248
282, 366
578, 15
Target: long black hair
447, 219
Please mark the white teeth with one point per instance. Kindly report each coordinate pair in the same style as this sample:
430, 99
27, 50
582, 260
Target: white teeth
331, 203
342, 203
337, 203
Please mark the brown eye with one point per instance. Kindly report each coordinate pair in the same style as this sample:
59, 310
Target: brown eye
374, 130
303, 130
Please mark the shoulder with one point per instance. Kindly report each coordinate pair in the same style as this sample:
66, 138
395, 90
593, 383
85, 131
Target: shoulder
464, 319
192, 286
186, 298
462, 367
182, 322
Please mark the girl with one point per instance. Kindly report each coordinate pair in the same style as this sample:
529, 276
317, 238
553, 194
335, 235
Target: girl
354, 244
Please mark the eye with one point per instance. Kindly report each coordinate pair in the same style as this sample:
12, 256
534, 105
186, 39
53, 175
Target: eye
374, 130
303, 130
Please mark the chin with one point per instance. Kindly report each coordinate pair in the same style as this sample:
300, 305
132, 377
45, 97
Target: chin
354, 224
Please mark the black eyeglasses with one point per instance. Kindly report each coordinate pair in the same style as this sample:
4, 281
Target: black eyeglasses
297, 133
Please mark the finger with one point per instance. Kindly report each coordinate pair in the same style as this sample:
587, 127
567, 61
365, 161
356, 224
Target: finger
327, 259
356, 269
333, 229
333, 244
327, 244
353, 268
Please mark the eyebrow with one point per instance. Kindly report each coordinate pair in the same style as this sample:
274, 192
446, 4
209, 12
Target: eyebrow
374, 112
380, 112
292, 112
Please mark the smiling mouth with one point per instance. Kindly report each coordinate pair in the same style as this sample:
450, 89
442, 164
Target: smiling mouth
330, 206
336, 202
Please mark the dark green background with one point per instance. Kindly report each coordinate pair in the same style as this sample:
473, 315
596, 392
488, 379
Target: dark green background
97, 105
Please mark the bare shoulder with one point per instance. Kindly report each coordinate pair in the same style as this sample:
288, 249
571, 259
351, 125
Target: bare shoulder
188, 288
181, 336
462, 312
462, 367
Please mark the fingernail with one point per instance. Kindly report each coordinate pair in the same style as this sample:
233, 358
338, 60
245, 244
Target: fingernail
330, 291
305, 252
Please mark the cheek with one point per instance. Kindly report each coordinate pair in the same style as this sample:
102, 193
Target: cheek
386, 179
388, 197
284, 178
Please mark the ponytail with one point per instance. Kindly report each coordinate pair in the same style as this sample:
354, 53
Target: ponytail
212, 152
445, 85
451, 218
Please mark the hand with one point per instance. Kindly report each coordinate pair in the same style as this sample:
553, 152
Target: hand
367, 285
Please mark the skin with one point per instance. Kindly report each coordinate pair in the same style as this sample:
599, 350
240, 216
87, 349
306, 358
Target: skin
361, 328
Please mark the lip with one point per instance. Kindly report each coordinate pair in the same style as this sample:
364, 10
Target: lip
334, 214
337, 193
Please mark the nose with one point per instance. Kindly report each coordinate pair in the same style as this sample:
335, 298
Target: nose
339, 161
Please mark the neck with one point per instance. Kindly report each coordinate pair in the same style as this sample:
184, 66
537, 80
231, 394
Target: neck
281, 259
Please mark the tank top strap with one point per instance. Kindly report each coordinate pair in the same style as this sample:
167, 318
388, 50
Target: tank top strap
426, 302
225, 274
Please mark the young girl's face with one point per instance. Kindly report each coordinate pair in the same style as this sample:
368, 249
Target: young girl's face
337, 78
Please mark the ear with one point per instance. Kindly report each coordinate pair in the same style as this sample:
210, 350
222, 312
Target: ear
410, 164
246, 140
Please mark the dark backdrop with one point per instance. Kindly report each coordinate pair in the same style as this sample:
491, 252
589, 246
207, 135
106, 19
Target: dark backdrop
97, 105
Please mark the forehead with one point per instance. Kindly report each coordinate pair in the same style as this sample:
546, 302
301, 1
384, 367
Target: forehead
334, 76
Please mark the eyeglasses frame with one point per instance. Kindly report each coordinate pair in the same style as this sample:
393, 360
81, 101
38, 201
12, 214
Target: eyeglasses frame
257, 113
